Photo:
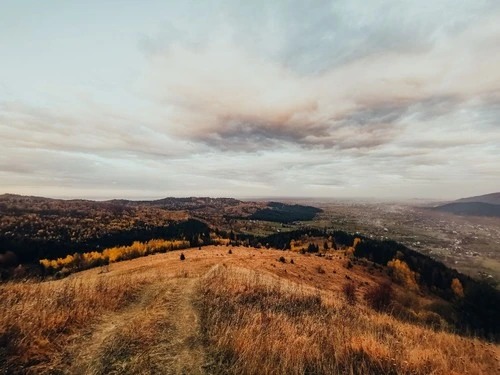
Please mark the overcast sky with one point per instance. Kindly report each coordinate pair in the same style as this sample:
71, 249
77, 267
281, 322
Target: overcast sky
147, 99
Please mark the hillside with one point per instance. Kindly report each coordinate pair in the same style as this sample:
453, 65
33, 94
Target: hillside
482, 205
493, 198
33, 228
470, 208
108, 291
303, 313
285, 213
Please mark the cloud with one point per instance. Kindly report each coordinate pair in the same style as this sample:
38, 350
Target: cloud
222, 95
272, 98
92, 131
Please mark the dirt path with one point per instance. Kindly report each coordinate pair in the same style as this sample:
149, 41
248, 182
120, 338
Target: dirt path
158, 334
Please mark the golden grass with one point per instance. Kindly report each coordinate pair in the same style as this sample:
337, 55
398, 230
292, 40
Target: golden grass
37, 320
255, 325
258, 315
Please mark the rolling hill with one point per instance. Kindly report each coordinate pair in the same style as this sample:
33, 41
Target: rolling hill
36, 227
303, 313
493, 198
116, 295
471, 208
483, 205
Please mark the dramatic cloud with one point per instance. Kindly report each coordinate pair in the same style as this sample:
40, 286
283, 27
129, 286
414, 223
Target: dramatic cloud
224, 96
344, 98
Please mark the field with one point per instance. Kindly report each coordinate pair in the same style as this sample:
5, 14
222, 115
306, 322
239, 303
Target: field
233, 310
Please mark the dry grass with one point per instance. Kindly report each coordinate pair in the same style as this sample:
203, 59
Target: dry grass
37, 320
257, 316
159, 335
255, 325
114, 319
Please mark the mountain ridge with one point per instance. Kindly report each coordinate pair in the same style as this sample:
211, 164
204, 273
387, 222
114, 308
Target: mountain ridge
487, 205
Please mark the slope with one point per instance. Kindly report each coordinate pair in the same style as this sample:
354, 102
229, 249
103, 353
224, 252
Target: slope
493, 198
245, 311
470, 209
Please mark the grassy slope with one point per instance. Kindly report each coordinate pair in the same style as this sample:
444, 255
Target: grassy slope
216, 312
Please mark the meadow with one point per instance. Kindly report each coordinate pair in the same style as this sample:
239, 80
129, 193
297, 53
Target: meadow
229, 310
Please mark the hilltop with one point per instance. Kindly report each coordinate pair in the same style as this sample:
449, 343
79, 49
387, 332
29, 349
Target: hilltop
304, 313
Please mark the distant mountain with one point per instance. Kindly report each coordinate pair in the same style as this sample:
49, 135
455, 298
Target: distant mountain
482, 205
493, 198
470, 208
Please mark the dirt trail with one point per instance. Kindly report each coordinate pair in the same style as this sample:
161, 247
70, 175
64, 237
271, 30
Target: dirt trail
158, 334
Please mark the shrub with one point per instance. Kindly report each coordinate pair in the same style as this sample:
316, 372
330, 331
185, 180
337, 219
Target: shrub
282, 260
320, 269
182, 256
230, 251
349, 290
291, 261
431, 319
379, 297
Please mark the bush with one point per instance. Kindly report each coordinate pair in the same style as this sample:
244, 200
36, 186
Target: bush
182, 256
432, 319
379, 297
230, 251
282, 260
349, 290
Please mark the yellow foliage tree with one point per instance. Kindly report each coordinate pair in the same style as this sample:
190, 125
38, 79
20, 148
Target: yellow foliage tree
403, 274
356, 242
91, 259
457, 287
350, 250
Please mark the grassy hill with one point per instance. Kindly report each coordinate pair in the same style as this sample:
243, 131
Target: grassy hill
233, 310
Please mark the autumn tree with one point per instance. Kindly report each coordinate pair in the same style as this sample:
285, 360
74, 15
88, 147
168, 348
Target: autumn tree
457, 287
402, 273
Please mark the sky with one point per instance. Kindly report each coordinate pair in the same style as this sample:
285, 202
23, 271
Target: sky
352, 98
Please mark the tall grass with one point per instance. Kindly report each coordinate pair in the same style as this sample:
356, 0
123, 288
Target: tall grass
255, 325
37, 320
